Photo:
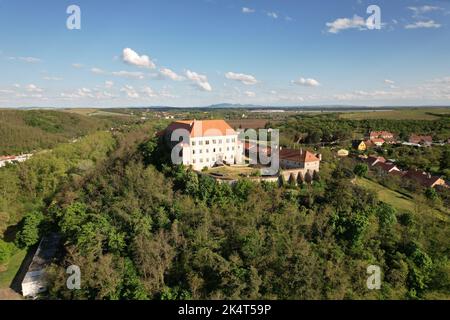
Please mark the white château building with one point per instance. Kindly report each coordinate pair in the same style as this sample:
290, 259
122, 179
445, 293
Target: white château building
208, 142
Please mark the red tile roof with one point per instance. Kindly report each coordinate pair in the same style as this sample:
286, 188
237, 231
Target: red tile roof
203, 128
380, 134
420, 139
300, 156
425, 179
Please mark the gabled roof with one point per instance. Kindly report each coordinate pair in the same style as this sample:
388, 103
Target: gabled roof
422, 177
418, 139
203, 128
383, 134
378, 140
299, 156
387, 167
372, 160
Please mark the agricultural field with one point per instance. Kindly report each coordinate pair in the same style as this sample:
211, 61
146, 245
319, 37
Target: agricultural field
404, 114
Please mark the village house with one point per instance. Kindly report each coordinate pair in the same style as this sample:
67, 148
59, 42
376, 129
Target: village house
421, 140
300, 159
425, 179
359, 145
378, 141
343, 153
371, 160
12, 159
387, 136
387, 167
209, 143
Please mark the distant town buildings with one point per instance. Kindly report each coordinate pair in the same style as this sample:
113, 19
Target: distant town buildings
12, 159
387, 136
421, 177
421, 140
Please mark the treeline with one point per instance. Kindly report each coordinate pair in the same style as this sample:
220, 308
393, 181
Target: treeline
314, 129
138, 232
25, 131
27, 188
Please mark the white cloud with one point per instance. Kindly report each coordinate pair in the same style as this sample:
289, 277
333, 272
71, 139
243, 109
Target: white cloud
201, 81
423, 24
33, 88
167, 73
387, 81
423, 9
250, 94
149, 92
272, 15
244, 78
26, 59
128, 74
130, 92
97, 71
52, 78
77, 65
109, 84
132, 57
247, 10
306, 82
345, 23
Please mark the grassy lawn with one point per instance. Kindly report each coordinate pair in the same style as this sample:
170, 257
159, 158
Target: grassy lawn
233, 172
395, 199
7, 276
408, 114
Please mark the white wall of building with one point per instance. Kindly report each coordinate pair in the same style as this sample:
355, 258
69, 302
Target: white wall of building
206, 151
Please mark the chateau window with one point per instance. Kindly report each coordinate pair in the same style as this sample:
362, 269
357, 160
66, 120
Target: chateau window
228, 140
193, 151
207, 150
220, 141
207, 159
233, 140
207, 142
214, 150
232, 148
193, 143
228, 148
193, 161
201, 160
220, 149
201, 151
200, 143
214, 141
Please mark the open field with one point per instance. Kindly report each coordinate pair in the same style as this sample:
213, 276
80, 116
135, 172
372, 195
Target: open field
405, 114
7, 276
96, 112
248, 123
397, 200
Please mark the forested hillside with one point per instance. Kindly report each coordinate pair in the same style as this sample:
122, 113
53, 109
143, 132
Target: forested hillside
25, 131
142, 230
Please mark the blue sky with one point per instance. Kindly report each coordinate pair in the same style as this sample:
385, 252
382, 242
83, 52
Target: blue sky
201, 52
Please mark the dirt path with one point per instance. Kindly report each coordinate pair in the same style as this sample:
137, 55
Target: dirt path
9, 294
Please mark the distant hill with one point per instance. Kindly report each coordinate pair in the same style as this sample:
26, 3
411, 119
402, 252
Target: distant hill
23, 131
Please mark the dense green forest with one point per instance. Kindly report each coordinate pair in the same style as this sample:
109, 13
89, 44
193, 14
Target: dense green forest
24, 131
142, 229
